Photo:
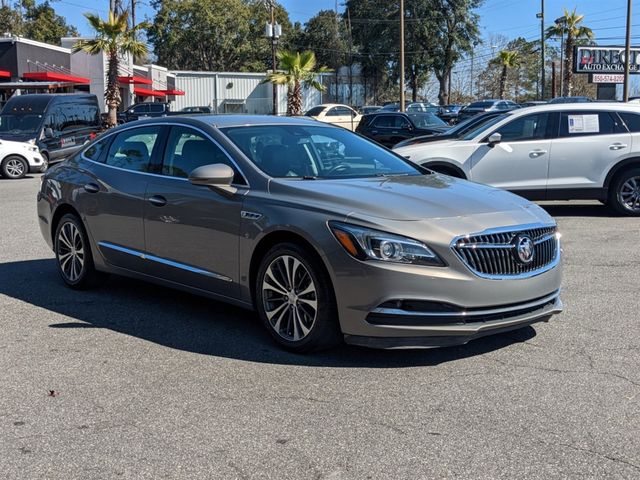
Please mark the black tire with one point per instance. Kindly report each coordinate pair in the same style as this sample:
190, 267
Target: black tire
14, 167
69, 241
293, 312
623, 197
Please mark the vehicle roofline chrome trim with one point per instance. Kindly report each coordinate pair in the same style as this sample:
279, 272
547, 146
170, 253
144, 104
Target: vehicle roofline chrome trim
164, 261
160, 124
527, 226
464, 314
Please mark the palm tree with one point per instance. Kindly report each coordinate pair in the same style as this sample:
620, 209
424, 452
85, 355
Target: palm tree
507, 59
569, 25
298, 70
115, 39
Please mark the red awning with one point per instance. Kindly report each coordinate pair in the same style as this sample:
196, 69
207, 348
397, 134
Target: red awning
134, 79
5, 74
55, 77
172, 92
147, 92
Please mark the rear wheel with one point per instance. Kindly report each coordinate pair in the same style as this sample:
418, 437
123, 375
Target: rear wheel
295, 300
73, 255
14, 167
624, 195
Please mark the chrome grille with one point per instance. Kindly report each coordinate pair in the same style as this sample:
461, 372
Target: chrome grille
492, 254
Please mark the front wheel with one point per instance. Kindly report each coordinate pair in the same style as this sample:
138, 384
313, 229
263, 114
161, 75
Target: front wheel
295, 300
14, 167
73, 255
624, 195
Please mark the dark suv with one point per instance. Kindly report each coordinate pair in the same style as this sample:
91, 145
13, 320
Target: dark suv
486, 106
389, 128
138, 111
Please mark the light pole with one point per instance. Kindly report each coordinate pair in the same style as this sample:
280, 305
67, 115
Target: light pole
542, 52
402, 55
273, 31
562, 22
627, 55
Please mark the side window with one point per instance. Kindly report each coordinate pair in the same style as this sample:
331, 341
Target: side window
631, 120
95, 151
385, 121
187, 150
55, 121
334, 112
156, 108
132, 149
582, 123
138, 109
402, 122
529, 127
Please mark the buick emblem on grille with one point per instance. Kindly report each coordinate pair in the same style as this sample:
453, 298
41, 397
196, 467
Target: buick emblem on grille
524, 249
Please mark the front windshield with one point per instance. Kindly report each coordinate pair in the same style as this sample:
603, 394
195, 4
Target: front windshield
20, 124
422, 120
305, 151
482, 126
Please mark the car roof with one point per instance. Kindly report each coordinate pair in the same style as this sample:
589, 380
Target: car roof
233, 120
591, 106
327, 105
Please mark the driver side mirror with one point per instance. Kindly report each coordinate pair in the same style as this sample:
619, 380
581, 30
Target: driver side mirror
48, 132
217, 176
494, 139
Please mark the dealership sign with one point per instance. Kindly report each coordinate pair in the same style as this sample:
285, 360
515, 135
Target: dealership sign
605, 60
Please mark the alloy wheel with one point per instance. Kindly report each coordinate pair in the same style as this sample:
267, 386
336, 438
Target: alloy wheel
289, 298
70, 252
15, 168
629, 194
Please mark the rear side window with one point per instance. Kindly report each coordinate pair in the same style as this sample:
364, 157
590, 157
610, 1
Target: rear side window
140, 109
583, 123
387, 121
632, 120
156, 108
314, 112
132, 149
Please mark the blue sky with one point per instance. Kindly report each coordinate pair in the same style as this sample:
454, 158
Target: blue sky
510, 18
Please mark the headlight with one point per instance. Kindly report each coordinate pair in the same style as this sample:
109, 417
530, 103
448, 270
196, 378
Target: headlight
366, 244
34, 149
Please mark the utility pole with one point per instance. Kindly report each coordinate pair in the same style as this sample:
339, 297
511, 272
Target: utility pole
402, 55
562, 21
542, 52
627, 55
350, 59
553, 79
473, 52
133, 13
273, 31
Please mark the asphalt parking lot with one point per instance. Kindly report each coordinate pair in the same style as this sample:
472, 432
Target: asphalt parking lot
150, 383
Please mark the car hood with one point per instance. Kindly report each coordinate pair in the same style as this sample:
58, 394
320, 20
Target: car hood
409, 198
17, 137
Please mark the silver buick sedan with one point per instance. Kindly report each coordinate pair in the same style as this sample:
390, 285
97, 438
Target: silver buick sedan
327, 235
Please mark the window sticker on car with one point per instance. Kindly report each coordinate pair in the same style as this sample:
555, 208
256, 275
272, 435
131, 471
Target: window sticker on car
584, 124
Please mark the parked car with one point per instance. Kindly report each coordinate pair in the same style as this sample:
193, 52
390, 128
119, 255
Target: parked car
336, 114
485, 106
389, 128
367, 109
202, 109
19, 158
58, 124
570, 100
449, 113
142, 110
532, 103
454, 132
552, 152
414, 107
326, 234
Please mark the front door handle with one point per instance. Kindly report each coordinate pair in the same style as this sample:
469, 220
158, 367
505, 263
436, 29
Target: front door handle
617, 146
158, 201
537, 153
91, 188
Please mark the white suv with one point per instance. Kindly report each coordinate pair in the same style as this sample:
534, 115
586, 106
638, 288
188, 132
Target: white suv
549, 152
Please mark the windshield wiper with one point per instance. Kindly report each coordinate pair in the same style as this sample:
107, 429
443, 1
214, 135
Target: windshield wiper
309, 177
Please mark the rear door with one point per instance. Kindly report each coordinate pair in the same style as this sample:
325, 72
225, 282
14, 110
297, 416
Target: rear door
192, 231
589, 142
520, 162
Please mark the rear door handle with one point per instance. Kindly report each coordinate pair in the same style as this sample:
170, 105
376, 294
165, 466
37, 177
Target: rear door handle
617, 146
537, 153
91, 188
158, 201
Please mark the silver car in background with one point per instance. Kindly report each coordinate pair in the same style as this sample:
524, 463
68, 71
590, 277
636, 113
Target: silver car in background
327, 235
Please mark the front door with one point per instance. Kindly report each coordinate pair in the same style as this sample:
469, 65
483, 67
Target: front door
520, 162
192, 231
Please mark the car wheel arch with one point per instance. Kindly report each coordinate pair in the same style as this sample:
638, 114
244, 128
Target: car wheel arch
619, 168
273, 238
60, 211
440, 165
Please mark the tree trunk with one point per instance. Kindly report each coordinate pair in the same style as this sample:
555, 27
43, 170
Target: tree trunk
112, 94
503, 81
294, 99
568, 66
443, 97
414, 84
